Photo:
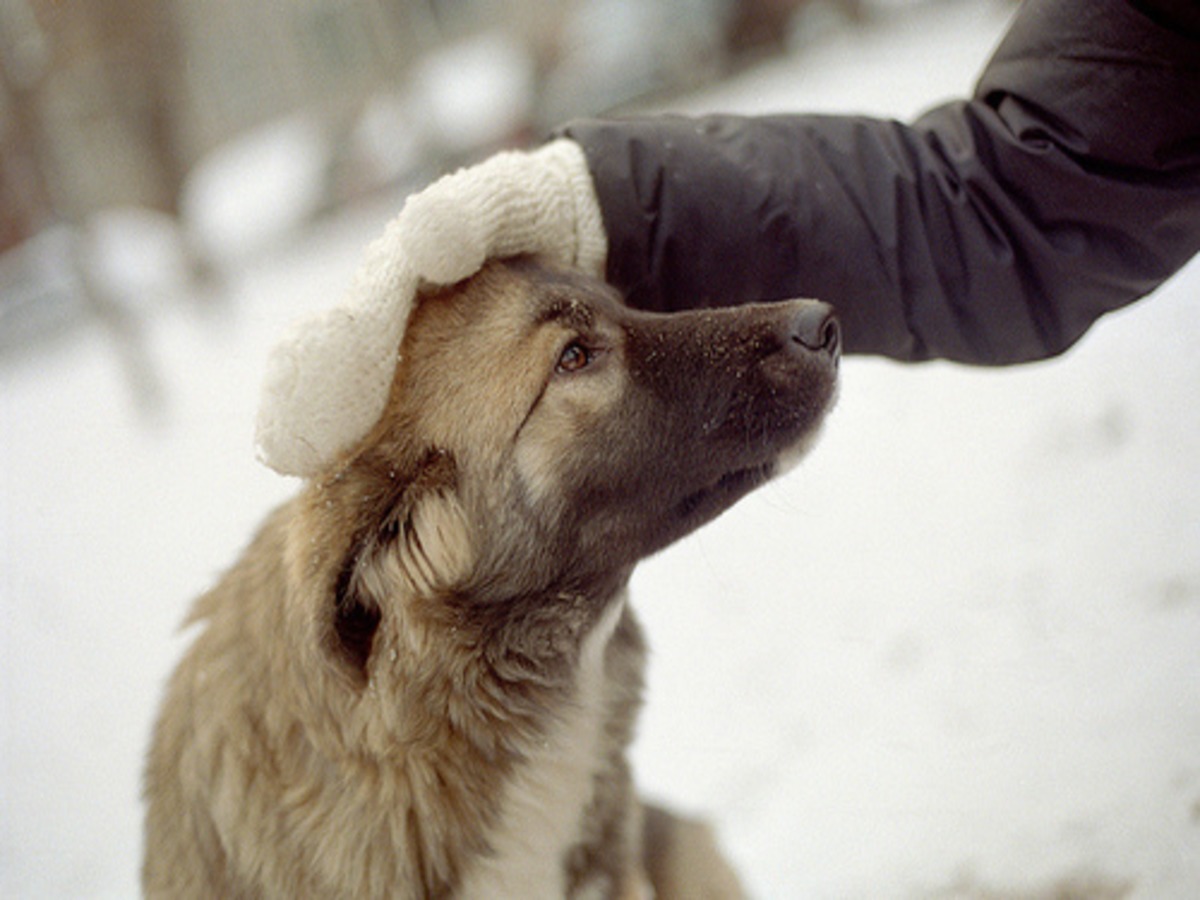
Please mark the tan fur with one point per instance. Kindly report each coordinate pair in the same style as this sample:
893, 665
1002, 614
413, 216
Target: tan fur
421, 677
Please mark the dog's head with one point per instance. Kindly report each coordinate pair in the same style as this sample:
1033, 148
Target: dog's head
540, 438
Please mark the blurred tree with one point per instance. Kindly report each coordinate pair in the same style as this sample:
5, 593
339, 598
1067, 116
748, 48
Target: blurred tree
25, 204
107, 104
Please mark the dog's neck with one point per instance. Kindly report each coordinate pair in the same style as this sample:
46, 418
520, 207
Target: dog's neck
499, 727
498, 668
542, 807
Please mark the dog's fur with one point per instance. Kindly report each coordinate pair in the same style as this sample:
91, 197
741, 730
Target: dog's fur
421, 677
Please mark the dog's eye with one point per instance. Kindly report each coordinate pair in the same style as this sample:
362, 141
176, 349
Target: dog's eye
573, 358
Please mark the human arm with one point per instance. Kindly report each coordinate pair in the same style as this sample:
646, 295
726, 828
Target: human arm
992, 230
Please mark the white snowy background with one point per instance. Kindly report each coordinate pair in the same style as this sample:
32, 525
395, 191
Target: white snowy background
955, 654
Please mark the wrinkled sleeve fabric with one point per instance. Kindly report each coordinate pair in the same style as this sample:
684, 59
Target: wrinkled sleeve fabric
992, 230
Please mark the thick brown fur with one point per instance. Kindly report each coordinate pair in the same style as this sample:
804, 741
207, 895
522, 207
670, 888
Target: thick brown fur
421, 677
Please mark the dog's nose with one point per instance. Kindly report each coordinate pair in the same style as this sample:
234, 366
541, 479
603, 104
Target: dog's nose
815, 327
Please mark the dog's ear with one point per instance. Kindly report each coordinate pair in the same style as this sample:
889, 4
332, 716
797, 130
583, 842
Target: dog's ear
418, 545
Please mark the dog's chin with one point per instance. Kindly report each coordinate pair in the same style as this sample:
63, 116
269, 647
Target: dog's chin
700, 506
791, 457
708, 502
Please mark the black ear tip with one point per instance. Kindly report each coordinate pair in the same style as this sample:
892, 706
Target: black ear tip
355, 622
355, 629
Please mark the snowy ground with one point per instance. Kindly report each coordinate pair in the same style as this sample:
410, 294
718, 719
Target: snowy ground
955, 654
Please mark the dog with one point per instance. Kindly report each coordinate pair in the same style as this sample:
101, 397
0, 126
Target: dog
420, 679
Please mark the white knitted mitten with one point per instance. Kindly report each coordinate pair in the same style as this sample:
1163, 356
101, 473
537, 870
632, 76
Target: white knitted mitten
541, 203
328, 379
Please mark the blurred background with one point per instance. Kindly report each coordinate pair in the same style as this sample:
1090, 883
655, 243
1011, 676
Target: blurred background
166, 107
953, 655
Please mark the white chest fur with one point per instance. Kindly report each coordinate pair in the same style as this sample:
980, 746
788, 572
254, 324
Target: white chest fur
544, 802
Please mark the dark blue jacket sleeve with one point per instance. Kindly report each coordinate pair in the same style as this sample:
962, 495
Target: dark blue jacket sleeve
992, 230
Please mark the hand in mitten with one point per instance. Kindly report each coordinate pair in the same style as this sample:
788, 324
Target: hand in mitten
541, 203
327, 381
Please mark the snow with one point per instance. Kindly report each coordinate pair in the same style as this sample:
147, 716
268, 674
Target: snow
477, 92
954, 654
255, 190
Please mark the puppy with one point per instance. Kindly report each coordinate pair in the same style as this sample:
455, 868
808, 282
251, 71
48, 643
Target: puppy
421, 677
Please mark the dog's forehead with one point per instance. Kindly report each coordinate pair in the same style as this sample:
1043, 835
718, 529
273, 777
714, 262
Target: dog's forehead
571, 300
